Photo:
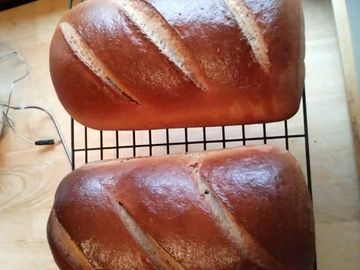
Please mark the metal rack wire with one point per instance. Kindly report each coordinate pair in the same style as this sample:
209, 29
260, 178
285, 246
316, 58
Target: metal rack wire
82, 152
80, 135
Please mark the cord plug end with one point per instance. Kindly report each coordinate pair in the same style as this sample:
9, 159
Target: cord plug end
45, 142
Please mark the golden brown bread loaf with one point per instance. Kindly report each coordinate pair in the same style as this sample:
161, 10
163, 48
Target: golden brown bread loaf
136, 64
244, 209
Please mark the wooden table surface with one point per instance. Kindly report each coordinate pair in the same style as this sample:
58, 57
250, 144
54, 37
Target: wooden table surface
29, 175
347, 52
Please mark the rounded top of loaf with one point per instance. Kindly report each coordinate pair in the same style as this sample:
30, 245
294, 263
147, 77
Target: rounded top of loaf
244, 208
136, 64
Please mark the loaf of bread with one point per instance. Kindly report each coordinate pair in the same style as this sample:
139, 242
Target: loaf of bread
244, 209
136, 64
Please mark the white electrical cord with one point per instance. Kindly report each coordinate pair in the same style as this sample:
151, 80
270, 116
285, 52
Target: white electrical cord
5, 107
1, 122
17, 79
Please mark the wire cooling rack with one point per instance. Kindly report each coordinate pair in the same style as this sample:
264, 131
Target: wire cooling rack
91, 145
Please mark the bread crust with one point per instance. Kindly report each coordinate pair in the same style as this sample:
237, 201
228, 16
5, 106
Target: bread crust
260, 191
201, 67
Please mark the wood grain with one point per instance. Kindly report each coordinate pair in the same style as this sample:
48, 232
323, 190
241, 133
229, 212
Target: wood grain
29, 175
349, 70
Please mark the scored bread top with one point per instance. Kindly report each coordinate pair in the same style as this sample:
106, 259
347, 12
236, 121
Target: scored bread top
244, 208
136, 64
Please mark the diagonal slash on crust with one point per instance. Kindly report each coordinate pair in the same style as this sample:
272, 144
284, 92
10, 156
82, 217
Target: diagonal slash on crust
64, 243
251, 30
249, 248
154, 26
87, 56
